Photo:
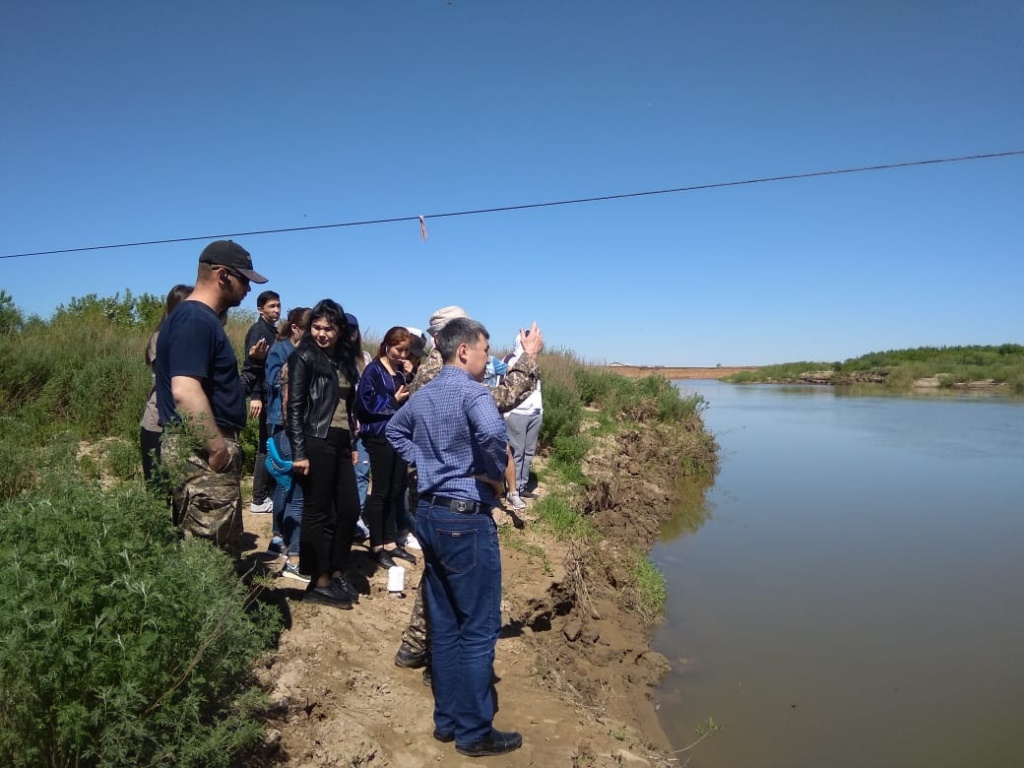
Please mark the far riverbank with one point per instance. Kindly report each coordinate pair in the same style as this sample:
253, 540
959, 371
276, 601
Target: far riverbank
670, 372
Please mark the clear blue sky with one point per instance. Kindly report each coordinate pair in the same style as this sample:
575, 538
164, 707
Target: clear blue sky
127, 121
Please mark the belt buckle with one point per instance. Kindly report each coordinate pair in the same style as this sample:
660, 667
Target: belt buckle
462, 506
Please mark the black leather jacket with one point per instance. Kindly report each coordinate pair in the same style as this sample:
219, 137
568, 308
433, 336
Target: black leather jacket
312, 397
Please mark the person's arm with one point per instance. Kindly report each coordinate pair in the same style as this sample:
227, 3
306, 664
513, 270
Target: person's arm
275, 360
399, 433
375, 399
299, 375
522, 376
191, 402
489, 435
427, 371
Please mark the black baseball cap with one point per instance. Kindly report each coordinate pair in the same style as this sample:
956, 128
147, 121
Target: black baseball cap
228, 253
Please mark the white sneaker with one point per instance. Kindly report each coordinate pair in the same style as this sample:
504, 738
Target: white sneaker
263, 508
515, 502
411, 543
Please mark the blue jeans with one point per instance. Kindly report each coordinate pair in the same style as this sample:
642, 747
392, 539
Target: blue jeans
362, 473
462, 580
287, 505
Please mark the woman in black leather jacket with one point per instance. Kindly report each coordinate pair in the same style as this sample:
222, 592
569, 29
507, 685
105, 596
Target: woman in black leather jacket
322, 379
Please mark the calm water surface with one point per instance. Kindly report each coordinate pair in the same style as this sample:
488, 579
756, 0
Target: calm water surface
850, 591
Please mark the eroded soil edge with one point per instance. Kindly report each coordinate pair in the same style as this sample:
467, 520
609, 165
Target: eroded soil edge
575, 667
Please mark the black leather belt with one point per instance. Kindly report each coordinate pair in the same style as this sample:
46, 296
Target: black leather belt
459, 505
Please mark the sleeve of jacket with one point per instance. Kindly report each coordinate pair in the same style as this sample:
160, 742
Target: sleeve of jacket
427, 372
374, 398
275, 359
519, 382
299, 376
489, 433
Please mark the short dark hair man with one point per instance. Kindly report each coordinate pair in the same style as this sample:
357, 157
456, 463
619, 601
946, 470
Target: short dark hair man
452, 431
198, 387
258, 340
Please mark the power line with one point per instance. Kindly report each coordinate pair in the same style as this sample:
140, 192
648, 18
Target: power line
527, 206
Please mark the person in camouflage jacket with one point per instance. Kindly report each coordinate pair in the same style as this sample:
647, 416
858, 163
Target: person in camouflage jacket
517, 385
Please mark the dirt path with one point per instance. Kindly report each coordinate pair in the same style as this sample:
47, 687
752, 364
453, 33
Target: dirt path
575, 669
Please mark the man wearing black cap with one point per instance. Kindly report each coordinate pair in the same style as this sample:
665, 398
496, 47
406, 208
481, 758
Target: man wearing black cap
200, 399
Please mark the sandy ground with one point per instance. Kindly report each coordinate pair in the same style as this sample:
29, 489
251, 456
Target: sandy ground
574, 666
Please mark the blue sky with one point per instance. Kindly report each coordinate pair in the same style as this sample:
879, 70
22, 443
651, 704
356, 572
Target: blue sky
128, 121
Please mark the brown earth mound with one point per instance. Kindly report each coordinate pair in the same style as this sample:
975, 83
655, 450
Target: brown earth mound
576, 671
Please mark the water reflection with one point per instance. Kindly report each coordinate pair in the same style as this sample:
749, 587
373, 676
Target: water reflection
691, 510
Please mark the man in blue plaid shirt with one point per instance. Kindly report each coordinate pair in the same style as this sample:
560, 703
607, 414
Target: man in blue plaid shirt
452, 431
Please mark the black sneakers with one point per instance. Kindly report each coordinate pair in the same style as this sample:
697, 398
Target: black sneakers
495, 743
383, 559
332, 594
345, 587
402, 553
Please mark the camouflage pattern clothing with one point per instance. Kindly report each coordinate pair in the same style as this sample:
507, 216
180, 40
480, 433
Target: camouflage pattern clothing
205, 504
518, 384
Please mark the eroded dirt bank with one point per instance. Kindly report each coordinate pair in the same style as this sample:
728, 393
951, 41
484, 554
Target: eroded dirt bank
575, 668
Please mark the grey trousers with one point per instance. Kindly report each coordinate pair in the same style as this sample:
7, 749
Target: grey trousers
523, 432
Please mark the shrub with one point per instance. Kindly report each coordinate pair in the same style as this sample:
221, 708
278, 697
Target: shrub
121, 645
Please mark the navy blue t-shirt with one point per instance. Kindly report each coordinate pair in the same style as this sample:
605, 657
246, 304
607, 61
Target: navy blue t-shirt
192, 342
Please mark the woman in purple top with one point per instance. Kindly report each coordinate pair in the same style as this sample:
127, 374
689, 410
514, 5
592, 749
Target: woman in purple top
382, 391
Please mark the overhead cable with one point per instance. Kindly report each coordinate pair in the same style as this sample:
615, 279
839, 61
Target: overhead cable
527, 206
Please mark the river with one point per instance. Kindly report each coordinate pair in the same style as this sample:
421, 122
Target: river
850, 590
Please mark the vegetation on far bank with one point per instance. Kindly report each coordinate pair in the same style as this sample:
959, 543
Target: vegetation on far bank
898, 369
126, 646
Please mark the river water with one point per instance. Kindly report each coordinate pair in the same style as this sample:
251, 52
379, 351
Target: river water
850, 590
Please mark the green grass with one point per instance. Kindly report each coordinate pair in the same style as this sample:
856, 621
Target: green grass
650, 592
558, 516
953, 365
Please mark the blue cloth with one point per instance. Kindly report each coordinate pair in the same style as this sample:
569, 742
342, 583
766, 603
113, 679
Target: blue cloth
362, 473
451, 430
287, 503
276, 358
375, 398
495, 370
279, 467
462, 583
192, 342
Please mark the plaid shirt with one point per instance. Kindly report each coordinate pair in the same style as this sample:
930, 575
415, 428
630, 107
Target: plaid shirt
451, 430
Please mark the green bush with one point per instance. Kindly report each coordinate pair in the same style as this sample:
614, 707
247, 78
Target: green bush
121, 646
562, 414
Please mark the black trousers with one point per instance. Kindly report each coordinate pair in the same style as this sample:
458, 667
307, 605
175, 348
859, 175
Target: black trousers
388, 480
262, 482
331, 504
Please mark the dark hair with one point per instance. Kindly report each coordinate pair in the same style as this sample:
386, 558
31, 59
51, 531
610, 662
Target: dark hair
298, 316
396, 335
344, 352
266, 296
175, 296
461, 330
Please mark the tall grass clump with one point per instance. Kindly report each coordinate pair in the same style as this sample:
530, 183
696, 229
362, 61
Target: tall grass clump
121, 645
648, 587
83, 370
558, 516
